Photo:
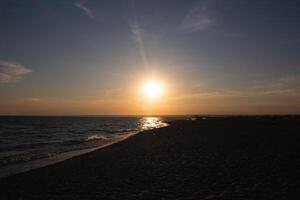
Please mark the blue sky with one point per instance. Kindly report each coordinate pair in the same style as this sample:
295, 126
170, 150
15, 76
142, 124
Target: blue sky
87, 57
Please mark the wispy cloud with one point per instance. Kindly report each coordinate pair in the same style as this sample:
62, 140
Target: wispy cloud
287, 86
86, 10
137, 32
197, 18
281, 83
12, 71
32, 99
222, 94
137, 35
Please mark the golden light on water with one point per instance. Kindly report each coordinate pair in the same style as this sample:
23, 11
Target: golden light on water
147, 123
152, 89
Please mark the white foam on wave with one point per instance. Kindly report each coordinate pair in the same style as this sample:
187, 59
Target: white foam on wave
96, 137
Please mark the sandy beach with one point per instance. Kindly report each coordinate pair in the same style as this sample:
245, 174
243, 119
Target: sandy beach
211, 158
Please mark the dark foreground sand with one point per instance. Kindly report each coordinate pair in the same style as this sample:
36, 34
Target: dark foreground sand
224, 158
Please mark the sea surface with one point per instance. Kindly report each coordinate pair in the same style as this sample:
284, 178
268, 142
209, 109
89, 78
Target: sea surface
32, 142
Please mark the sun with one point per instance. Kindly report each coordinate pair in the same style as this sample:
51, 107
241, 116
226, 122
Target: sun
152, 89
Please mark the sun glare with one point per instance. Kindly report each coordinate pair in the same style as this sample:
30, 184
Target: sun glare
152, 89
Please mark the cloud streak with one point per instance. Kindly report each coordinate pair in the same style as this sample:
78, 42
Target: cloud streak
87, 11
12, 71
137, 35
281, 83
281, 87
32, 99
197, 18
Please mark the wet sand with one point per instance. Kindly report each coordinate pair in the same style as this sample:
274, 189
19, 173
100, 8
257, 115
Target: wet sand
215, 158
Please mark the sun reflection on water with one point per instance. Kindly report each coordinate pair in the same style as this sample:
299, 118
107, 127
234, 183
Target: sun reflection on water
147, 123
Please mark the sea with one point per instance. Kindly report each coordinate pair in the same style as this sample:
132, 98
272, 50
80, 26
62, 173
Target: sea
31, 142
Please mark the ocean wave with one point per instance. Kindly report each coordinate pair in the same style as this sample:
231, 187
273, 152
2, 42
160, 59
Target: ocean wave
95, 137
51, 137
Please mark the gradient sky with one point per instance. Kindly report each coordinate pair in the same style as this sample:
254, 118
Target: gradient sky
91, 57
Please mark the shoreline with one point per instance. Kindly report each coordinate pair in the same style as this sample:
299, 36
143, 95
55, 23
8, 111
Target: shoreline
11, 170
215, 158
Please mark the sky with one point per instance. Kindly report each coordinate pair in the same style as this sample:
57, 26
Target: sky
88, 57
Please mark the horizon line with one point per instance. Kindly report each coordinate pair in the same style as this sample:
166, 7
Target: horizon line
164, 115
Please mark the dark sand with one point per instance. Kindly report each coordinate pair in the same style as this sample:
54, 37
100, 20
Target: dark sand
223, 158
